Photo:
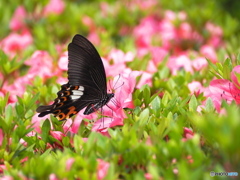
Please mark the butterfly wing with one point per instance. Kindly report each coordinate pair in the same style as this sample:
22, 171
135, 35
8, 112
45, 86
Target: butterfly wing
87, 81
85, 65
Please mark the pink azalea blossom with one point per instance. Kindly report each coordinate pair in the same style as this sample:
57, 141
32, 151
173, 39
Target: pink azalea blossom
146, 78
69, 163
209, 53
176, 63
216, 35
54, 7
142, 4
15, 43
236, 70
36, 122
63, 62
40, 59
187, 134
124, 85
57, 135
53, 177
119, 59
158, 54
18, 88
102, 169
1, 137
148, 176
18, 20
199, 63
222, 89
196, 87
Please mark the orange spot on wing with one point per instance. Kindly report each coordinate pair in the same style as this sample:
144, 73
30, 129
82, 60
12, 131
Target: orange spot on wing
71, 111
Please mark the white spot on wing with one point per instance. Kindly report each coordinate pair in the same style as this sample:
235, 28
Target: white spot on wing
73, 97
81, 88
77, 92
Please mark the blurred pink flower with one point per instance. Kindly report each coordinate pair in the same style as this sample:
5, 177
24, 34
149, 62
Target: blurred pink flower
199, 63
146, 78
187, 134
36, 122
234, 78
57, 135
40, 64
1, 137
148, 176
69, 163
209, 52
144, 31
17, 88
63, 61
182, 61
195, 87
216, 34
119, 60
158, 54
8, 177
53, 177
144, 4
14, 43
54, 7
102, 169
18, 19
93, 37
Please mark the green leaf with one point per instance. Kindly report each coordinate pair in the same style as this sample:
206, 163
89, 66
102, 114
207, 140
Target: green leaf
45, 130
209, 105
144, 116
156, 105
193, 103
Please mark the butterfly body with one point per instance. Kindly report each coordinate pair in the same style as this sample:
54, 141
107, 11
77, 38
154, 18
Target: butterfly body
87, 85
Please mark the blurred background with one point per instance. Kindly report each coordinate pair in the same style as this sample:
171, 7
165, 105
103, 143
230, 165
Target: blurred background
55, 21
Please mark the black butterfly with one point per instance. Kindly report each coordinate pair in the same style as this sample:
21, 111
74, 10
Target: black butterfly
87, 85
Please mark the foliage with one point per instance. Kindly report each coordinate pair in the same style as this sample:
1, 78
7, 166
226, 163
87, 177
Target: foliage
178, 95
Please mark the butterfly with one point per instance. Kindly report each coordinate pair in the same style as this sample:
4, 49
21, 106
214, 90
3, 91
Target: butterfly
86, 87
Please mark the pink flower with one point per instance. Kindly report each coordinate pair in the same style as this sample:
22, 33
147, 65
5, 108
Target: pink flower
124, 85
176, 63
236, 70
196, 87
188, 134
63, 62
119, 59
36, 122
146, 78
216, 35
158, 54
1, 137
18, 20
57, 135
40, 64
199, 63
53, 177
222, 89
18, 88
102, 169
69, 163
6, 177
209, 53
148, 176
14, 43
54, 7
